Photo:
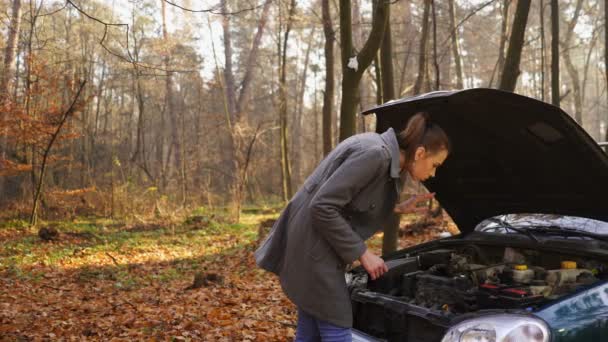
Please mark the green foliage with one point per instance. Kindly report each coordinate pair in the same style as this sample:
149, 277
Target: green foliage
126, 281
88, 241
169, 275
15, 223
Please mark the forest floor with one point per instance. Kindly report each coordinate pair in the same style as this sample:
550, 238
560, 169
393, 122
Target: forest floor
101, 279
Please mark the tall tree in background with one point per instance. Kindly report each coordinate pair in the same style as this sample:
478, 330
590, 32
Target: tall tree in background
405, 14
391, 230
435, 60
572, 71
353, 64
54, 132
285, 164
606, 60
328, 94
511, 71
422, 51
555, 99
542, 51
239, 145
298, 123
8, 72
359, 36
139, 155
455, 45
386, 61
169, 97
243, 96
504, 27
228, 72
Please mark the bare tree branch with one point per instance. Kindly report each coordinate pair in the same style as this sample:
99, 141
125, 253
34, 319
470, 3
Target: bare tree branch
453, 32
129, 58
215, 9
55, 11
71, 109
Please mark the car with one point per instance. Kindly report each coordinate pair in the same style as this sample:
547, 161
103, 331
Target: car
527, 188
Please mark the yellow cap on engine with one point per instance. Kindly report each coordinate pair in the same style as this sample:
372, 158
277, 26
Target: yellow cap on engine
521, 267
569, 265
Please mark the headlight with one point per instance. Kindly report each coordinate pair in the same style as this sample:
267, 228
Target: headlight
499, 328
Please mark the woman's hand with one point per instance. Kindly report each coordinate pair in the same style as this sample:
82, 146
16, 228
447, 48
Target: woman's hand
373, 264
410, 206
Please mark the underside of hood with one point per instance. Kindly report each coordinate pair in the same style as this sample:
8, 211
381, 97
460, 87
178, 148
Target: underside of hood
510, 154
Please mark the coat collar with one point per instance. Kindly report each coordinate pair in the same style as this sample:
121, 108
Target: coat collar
390, 139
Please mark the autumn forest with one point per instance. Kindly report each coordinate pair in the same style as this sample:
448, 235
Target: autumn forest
146, 146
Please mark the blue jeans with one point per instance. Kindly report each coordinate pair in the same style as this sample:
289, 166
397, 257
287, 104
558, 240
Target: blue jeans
311, 329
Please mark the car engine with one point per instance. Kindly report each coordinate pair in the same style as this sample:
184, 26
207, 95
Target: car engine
471, 278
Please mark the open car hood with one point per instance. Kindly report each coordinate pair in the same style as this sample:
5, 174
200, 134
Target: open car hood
510, 154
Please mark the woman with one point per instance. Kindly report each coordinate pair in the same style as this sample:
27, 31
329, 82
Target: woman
349, 196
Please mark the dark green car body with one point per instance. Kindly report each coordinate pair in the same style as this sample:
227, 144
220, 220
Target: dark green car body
582, 316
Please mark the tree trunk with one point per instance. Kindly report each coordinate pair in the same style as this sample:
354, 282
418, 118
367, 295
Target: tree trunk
386, 80
378, 80
542, 51
606, 62
139, 99
504, 34
140, 140
358, 38
228, 75
435, 61
235, 108
386, 60
177, 161
351, 75
10, 52
243, 98
46, 154
406, 16
7, 73
285, 163
455, 45
555, 53
315, 112
572, 71
594, 36
299, 114
386, 92
100, 94
511, 70
28, 91
422, 51
328, 94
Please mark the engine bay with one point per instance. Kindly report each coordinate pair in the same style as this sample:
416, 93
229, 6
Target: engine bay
469, 278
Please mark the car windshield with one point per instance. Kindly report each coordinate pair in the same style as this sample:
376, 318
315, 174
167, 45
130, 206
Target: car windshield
501, 223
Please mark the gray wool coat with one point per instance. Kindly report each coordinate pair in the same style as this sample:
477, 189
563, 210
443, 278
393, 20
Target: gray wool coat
348, 197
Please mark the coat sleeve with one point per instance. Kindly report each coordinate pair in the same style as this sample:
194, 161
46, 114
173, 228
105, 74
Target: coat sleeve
357, 171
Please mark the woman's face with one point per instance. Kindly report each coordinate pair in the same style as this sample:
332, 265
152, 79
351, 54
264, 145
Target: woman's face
426, 163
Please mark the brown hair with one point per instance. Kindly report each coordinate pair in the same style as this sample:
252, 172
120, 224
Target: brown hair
421, 131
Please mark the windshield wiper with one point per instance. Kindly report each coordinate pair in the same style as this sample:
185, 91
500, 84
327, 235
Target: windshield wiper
507, 225
567, 231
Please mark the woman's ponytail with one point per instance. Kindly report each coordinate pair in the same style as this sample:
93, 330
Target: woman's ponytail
421, 131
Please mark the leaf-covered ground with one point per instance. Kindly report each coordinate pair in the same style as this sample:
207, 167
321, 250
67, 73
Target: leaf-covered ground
107, 280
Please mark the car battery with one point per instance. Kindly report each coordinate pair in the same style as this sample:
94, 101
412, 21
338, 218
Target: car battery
506, 297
